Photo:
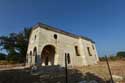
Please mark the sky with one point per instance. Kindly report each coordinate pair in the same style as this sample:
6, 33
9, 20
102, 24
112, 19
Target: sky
101, 20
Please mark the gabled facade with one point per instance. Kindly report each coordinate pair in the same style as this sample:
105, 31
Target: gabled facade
49, 45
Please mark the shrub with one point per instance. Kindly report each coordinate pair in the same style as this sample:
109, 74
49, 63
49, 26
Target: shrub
2, 56
121, 54
12, 59
102, 59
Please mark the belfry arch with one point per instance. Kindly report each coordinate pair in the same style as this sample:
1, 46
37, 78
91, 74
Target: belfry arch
48, 55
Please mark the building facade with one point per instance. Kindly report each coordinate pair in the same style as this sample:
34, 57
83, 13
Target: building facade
49, 45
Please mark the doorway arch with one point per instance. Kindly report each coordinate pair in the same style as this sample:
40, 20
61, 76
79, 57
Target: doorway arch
48, 55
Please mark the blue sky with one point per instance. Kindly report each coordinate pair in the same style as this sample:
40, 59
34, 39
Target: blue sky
101, 20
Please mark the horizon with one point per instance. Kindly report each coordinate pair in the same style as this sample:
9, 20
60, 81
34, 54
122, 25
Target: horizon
101, 21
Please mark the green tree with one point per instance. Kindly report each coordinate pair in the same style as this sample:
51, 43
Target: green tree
22, 43
121, 54
2, 56
16, 45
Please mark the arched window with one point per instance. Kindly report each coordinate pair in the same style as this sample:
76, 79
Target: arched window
35, 54
77, 51
30, 53
35, 37
89, 51
93, 47
35, 51
68, 58
55, 36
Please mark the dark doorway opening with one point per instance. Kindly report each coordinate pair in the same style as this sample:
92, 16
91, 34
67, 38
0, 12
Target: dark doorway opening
46, 61
48, 55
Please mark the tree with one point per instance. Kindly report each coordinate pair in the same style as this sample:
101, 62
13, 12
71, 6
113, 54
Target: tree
121, 54
2, 56
16, 45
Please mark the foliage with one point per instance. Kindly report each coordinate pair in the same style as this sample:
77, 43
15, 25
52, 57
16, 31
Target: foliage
2, 56
16, 45
121, 54
102, 58
111, 57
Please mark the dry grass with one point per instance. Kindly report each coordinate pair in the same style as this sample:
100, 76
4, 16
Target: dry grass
98, 71
101, 69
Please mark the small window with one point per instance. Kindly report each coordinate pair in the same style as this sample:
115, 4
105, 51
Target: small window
55, 36
35, 37
77, 51
68, 58
35, 51
89, 51
93, 47
30, 53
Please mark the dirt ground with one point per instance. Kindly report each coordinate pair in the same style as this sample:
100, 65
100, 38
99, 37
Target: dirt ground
98, 71
101, 69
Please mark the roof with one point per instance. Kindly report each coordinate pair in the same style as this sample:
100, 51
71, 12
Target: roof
47, 27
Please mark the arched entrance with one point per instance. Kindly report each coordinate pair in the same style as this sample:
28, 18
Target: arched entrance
47, 55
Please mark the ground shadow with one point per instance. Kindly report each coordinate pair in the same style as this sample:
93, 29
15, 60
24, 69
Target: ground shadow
47, 75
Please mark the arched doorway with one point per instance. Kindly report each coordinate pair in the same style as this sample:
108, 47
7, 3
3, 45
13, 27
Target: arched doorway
47, 55
35, 55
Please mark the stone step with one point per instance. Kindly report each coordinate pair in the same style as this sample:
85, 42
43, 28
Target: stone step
52, 70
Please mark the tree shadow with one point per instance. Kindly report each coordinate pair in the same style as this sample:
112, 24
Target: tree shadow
47, 75
91, 76
51, 74
17, 76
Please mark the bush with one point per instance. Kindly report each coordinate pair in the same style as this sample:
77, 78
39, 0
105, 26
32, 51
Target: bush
2, 56
12, 58
121, 54
3, 62
102, 59
112, 58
